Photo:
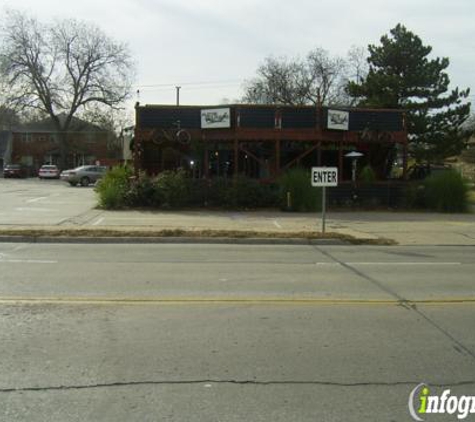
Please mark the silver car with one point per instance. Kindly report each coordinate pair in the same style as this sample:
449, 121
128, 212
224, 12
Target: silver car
84, 175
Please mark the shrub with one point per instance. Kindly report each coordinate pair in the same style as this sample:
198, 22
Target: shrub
244, 192
172, 188
367, 174
112, 189
143, 193
413, 195
295, 185
446, 192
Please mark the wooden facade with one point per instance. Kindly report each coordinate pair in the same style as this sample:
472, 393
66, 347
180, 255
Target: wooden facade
264, 141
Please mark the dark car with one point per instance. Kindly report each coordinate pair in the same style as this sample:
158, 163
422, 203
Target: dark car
14, 170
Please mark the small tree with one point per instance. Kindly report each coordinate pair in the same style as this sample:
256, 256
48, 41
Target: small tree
62, 69
402, 76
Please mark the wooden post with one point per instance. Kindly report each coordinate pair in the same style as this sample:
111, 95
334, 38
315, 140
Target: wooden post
137, 142
340, 162
404, 161
236, 158
206, 159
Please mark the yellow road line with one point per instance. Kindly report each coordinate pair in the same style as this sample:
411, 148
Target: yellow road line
227, 301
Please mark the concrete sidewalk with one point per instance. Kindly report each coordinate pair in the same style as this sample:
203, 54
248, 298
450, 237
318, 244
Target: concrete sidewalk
404, 228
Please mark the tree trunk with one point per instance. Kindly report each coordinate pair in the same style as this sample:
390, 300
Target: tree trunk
63, 150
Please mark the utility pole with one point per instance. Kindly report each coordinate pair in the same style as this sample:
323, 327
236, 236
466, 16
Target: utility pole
178, 95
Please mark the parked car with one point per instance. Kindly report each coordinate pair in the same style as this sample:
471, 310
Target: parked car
48, 171
14, 170
84, 175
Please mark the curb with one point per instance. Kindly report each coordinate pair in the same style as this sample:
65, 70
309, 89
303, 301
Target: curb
172, 240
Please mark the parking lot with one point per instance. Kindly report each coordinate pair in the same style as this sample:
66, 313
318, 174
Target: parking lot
43, 202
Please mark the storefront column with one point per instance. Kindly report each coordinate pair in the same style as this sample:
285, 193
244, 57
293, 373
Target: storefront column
236, 158
340, 162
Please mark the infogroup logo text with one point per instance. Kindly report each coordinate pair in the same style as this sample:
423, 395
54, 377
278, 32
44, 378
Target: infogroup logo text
422, 402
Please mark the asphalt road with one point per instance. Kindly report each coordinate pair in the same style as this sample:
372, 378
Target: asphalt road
231, 333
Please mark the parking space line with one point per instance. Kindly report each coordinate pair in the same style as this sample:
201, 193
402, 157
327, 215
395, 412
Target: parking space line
30, 201
26, 261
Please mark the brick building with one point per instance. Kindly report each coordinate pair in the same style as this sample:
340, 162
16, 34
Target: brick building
35, 144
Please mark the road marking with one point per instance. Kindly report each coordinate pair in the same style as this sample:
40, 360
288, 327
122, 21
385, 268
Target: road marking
36, 199
330, 264
404, 263
387, 263
230, 301
26, 261
98, 221
35, 209
276, 223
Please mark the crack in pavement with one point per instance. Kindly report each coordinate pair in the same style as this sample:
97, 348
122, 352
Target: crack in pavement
81, 219
232, 382
403, 302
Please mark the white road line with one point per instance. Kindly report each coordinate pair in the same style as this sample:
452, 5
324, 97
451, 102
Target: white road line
387, 263
35, 209
333, 264
26, 261
276, 223
29, 201
404, 263
98, 221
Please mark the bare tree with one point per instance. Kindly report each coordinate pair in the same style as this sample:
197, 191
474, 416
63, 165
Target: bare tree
356, 71
62, 69
319, 78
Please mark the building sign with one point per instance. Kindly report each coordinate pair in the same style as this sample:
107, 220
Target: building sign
338, 120
324, 176
216, 118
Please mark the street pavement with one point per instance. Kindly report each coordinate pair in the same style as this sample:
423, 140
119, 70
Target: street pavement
196, 332
232, 332
53, 206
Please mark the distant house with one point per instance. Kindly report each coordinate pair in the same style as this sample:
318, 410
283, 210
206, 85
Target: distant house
35, 144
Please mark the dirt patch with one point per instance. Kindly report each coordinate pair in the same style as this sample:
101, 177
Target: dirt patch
179, 233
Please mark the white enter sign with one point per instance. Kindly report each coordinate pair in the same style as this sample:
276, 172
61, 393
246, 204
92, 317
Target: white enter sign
324, 176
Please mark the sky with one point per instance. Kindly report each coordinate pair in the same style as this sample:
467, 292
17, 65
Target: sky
211, 47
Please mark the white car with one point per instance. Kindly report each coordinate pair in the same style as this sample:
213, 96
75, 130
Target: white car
48, 171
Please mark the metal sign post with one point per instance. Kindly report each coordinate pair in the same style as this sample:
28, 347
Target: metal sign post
324, 207
323, 177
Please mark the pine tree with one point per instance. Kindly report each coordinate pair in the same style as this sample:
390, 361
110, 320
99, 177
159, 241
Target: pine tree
402, 76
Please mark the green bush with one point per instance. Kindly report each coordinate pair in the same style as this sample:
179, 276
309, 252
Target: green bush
244, 192
413, 195
446, 192
172, 189
113, 187
143, 193
297, 193
367, 175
